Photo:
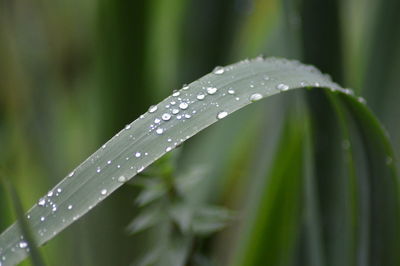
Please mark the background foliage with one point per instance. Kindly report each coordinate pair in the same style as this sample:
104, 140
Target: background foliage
75, 72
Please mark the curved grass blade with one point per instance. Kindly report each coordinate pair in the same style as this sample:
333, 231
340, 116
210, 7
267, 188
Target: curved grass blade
165, 126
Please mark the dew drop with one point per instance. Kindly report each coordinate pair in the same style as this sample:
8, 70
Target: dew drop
69, 207
122, 179
255, 97
103, 192
183, 106
71, 174
175, 111
176, 93
152, 108
127, 126
159, 131
137, 154
42, 219
231, 91
166, 117
140, 170
41, 202
23, 244
200, 96
185, 87
218, 70
109, 162
362, 100
211, 90
282, 87
168, 149
222, 114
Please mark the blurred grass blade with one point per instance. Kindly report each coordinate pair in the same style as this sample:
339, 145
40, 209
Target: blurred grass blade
27, 241
164, 127
382, 184
276, 225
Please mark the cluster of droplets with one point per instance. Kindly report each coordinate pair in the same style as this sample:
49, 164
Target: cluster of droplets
179, 108
48, 201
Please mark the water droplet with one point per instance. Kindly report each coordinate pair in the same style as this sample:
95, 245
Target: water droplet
127, 126
103, 192
168, 149
152, 108
222, 114
109, 162
231, 91
183, 105
218, 70
159, 131
69, 207
23, 244
54, 208
362, 100
255, 97
175, 111
137, 154
50, 194
59, 190
200, 96
122, 179
41, 202
282, 87
185, 87
71, 174
140, 170
42, 219
98, 170
166, 117
176, 93
211, 90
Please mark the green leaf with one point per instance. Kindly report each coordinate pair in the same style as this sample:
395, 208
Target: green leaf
164, 127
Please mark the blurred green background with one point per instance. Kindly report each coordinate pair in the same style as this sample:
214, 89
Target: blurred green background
72, 73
